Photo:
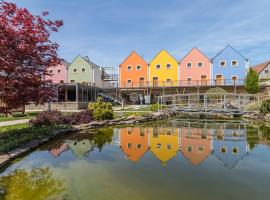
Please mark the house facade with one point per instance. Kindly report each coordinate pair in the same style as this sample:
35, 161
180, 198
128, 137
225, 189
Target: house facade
195, 69
196, 144
230, 145
229, 66
263, 70
82, 70
164, 143
134, 142
59, 73
133, 71
163, 70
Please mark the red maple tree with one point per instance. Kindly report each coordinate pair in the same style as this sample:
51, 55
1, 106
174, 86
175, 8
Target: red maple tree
26, 53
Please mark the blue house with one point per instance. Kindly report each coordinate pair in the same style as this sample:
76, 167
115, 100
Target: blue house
230, 145
229, 66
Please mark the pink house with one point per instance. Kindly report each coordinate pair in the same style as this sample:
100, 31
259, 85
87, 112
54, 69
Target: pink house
195, 68
59, 72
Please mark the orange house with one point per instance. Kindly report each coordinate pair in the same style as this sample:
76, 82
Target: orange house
133, 72
196, 144
134, 142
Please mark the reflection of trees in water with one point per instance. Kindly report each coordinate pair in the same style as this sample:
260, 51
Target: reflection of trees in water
102, 136
38, 184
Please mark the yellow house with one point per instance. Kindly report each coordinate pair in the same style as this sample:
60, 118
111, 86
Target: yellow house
164, 70
164, 143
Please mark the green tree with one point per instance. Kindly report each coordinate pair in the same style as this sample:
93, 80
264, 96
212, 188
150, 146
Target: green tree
101, 110
252, 82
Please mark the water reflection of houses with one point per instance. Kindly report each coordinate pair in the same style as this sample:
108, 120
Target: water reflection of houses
56, 152
196, 143
134, 142
230, 144
164, 143
81, 148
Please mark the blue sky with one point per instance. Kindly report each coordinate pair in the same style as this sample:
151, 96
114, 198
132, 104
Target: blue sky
107, 30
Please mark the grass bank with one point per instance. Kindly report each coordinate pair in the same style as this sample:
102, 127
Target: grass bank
18, 116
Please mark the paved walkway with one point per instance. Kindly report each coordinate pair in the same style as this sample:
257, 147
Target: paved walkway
14, 122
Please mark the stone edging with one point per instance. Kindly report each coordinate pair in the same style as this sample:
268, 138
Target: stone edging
29, 146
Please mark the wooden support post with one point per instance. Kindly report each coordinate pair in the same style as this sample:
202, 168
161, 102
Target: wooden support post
77, 92
224, 103
66, 93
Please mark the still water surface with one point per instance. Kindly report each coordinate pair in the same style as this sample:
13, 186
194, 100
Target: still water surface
170, 160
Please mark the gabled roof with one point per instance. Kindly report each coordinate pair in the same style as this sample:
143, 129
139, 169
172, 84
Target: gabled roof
260, 67
64, 62
229, 46
133, 52
194, 48
88, 61
163, 50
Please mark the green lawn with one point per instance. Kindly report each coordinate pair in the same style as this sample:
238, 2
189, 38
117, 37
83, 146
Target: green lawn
18, 116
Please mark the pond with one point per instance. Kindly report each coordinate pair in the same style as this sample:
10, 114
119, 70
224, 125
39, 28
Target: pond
175, 159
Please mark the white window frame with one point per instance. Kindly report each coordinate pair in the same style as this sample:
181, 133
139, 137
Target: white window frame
138, 66
189, 78
225, 150
129, 66
236, 63
138, 146
83, 69
198, 64
235, 152
159, 66
234, 76
190, 65
58, 71
202, 148
168, 80
225, 63
129, 81
191, 148
168, 67
75, 70
129, 147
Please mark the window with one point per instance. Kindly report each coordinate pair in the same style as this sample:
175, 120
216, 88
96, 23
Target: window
61, 81
222, 63
72, 81
235, 150
168, 80
201, 148
51, 71
189, 148
169, 146
83, 82
129, 145
223, 150
189, 79
128, 68
129, 81
169, 132
266, 71
58, 71
158, 145
200, 64
129, 131
189, 65
138, 67
157, 66
83, 69
234, 78
74, 70
139, 146
235, 134
234, 63
168, 66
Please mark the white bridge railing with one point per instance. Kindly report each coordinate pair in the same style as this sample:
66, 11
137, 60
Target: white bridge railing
207, 102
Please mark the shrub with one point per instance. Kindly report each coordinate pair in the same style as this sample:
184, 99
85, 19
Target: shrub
265, 107
82, 117
214, 92
47, 118
252, 82
51, 118
101, 110
154, 107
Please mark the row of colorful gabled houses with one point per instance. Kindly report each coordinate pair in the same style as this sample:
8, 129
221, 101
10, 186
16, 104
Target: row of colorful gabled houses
229, 146
195, 68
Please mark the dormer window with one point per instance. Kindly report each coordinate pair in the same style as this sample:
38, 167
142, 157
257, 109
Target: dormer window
168, 66
138, 67
74, 70
222, 63
128, 68
200, 64
157, 66
189, 65
234, 63
83, 69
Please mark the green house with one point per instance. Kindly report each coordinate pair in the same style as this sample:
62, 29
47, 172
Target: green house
82, 70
